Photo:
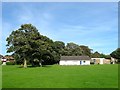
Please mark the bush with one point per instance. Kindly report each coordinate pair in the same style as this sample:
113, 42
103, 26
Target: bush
10, 63
0, 62
92, 63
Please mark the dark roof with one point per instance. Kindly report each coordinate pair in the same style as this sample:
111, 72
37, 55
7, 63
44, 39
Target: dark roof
75, 58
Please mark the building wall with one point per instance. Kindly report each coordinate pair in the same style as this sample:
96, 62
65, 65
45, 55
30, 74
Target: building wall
74, 62
98, 60
113, 60
70, 62
106, 61
85, 62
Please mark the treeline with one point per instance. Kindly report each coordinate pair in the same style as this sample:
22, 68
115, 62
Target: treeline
29, 46
116, 54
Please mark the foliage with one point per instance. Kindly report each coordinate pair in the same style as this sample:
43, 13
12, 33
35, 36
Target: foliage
100, 55
107, 56
0, 62
86, 50
116, 54
96, 54
27, 44
10, 63
59, 47
72, 49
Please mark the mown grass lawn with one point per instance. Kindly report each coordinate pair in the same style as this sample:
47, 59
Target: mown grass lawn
55, 76
0, 76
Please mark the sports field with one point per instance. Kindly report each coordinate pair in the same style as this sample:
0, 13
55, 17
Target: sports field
55, 76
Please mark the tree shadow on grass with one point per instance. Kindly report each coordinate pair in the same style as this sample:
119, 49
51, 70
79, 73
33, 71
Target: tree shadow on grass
47, 66
30, 66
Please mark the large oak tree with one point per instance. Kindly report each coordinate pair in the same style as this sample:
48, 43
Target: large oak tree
27, 44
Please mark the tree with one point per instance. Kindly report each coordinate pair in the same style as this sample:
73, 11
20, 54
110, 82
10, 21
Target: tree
107, 56
116, 54
73, 49
96, 55
100, 55
86, 50
59, 47
26, 43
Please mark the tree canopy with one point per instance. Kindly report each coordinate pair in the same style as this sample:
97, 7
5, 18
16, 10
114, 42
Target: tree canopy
27, 44
116, 54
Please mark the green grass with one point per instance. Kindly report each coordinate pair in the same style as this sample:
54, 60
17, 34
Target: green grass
55, 76
0, 76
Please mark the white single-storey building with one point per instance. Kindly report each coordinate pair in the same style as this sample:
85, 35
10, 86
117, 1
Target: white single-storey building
98, 60
74, 60
102, 61
113, 60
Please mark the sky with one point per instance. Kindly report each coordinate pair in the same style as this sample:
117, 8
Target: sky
94, 24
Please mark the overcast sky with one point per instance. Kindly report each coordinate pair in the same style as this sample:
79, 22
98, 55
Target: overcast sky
84, 23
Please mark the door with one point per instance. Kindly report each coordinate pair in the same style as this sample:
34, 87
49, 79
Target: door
80, 62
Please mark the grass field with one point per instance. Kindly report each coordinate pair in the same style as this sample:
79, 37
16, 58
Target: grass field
55, 76
0, 76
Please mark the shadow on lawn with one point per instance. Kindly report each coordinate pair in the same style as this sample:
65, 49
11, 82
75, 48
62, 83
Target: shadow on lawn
30, 66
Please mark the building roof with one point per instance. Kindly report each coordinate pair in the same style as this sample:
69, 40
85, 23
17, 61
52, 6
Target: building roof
9, 57
75, 58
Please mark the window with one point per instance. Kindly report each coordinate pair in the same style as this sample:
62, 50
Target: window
84, 61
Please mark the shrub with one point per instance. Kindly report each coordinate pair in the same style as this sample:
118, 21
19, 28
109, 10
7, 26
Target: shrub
10, 63
0, 62
92, 63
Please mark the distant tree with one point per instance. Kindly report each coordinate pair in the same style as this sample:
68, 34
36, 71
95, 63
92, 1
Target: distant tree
71, 45
116, 54
59, 47
107, 56
96, 55
86, 50
73, 49
100, 55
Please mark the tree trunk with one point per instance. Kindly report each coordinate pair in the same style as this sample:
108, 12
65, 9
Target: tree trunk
33, 64
40, 64
25, 63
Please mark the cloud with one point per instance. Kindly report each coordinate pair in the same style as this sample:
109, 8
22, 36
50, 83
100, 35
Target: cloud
99, 38
86, 31
67, 22
43, 19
